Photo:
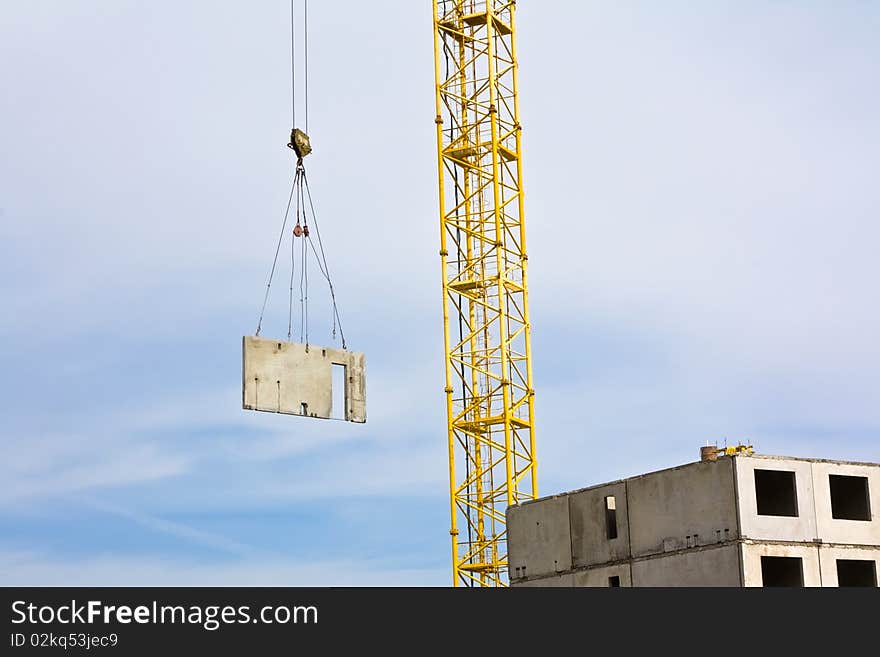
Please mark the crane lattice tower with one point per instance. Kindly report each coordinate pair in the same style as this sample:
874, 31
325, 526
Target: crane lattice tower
489, 390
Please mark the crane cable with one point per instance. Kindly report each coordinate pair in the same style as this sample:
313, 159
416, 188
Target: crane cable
275, 261
305, 53
302, 193
292, 65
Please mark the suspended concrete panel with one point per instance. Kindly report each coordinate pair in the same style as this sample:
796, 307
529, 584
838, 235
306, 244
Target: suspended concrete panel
295, 379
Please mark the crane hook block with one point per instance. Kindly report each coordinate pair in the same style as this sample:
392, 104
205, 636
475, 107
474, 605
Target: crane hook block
299, 142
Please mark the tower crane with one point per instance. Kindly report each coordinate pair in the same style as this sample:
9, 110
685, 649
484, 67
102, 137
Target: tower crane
489, 388
486, 331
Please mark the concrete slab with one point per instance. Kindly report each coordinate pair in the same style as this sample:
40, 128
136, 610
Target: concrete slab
752, 568
590, 518
829, 556
862, 531
556, 581
599, 577
295, 379
539, 538
716, 566
801, 527
689, 506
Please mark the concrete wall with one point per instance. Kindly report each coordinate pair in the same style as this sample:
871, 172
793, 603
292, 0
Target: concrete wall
814, 519
593, 577
598, 577
695, 525
780, 528
819, 561
290, 378
828, 557
668, 509
589, 538
751, 561
555, 581
709, 566
538, 538
832, 530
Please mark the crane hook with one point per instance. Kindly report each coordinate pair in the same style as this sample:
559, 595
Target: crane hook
299, 143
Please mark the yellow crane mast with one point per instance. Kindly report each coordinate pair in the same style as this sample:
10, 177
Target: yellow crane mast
489, 391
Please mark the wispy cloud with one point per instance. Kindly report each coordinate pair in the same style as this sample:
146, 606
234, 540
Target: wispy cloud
19, 568
98, 469
177, 530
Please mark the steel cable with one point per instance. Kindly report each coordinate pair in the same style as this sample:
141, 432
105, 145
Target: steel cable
275, 261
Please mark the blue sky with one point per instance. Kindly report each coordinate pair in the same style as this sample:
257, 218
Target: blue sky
702, 207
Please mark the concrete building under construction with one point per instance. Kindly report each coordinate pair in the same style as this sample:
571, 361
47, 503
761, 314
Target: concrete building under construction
735, 520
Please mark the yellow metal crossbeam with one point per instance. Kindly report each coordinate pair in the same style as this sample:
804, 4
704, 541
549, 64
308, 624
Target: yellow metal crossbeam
489, 390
